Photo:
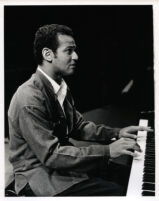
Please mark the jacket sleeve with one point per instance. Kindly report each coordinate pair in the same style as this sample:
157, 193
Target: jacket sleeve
39, 134
87, 130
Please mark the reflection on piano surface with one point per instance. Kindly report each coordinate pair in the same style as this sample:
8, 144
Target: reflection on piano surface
142, 175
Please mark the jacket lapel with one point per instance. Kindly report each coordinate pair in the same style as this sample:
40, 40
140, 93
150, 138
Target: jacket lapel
48, 91
54, 107
69, 114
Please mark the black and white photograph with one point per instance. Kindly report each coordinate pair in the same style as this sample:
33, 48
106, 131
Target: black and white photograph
79, 100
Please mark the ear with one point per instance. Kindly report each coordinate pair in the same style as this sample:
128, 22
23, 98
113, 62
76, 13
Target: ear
47, 54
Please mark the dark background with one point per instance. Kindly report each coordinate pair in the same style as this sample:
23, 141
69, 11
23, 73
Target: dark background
115, 45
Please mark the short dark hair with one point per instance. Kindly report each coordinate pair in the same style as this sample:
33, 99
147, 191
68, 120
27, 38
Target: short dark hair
46, 36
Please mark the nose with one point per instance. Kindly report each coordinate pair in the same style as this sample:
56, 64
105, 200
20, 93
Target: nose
74, 56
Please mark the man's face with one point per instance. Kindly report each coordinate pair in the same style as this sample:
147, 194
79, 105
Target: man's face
65, 56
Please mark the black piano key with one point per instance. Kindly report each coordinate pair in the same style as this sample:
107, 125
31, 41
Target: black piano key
150, 149
148, 193
149, 169
148, 186
149, 164
149, 156
150, 145
149, 161
150, 138
148, 179
150, 142
149, 174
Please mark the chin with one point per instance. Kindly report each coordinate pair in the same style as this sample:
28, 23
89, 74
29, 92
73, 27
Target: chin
70, 72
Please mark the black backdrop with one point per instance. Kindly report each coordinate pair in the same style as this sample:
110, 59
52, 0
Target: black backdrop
115, 45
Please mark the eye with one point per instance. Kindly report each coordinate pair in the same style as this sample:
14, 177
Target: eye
69, 51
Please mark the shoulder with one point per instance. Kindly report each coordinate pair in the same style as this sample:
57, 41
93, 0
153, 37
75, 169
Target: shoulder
29, 93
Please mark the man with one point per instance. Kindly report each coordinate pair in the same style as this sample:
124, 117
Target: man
42, 118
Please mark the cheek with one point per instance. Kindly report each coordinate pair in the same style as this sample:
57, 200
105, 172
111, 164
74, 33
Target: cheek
66, 60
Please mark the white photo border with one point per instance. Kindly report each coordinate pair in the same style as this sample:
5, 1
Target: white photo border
155, 4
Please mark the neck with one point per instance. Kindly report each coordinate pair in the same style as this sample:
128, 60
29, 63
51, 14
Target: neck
49, 71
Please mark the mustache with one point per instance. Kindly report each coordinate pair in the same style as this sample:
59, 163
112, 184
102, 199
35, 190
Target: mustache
73, 63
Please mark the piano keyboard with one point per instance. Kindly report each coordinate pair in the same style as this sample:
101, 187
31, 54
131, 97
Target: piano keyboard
142, 175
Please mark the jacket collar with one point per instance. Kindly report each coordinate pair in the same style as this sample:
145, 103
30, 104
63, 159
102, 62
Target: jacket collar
54, 84
44, 82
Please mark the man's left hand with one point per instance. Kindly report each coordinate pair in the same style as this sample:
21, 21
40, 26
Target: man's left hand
128, 132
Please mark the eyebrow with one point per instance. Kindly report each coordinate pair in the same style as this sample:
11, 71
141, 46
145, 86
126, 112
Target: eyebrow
71, 46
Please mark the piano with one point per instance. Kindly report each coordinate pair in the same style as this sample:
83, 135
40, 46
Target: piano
142, 174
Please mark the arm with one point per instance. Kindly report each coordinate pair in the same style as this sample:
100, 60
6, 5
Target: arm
87, 130
40, 135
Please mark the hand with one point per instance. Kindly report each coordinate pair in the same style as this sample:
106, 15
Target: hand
127, 131
123, 146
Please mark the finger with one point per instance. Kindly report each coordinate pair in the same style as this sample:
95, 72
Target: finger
130, 153
129, 135
129, 145
129, 140
143, 128
137, 147
139, 128
134, 146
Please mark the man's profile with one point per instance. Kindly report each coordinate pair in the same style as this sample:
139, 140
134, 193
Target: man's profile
43, 117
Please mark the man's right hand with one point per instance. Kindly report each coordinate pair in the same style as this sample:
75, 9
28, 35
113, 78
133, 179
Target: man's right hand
123, 147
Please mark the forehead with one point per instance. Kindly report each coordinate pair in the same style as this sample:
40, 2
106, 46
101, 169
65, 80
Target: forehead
65, 40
